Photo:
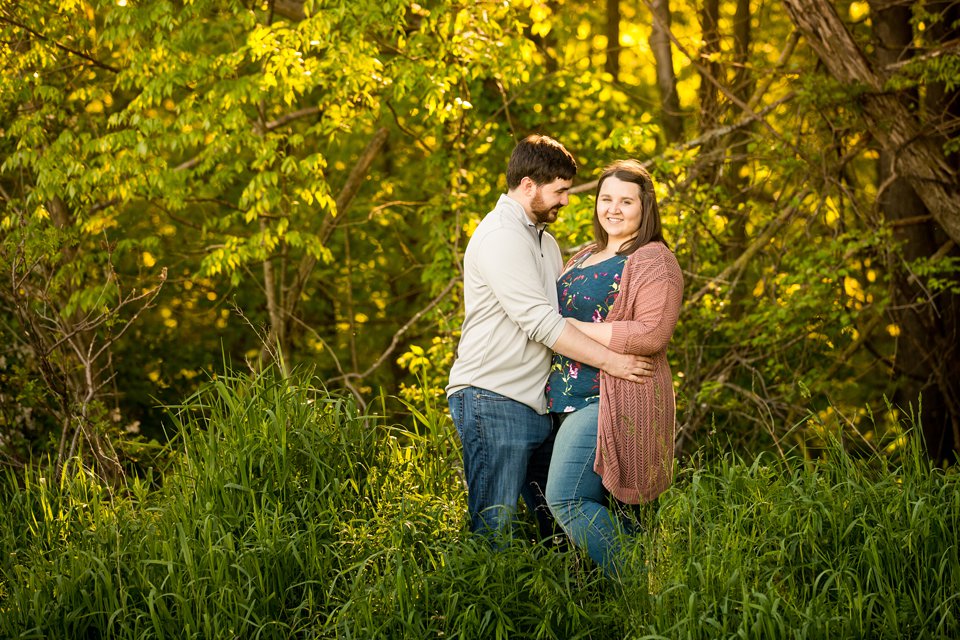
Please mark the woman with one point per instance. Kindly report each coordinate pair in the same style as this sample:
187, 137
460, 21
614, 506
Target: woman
616, 437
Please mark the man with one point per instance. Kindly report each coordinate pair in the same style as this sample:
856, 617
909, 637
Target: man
511, 327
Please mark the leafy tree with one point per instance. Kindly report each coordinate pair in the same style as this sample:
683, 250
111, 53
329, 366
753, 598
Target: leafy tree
306, 175
906, 99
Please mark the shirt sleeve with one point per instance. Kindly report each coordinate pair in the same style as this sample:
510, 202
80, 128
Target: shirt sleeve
509, 267
656, 293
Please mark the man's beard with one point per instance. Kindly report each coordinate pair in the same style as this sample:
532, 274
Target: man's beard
540, 212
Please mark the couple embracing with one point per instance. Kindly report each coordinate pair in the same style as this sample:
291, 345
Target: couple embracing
561, 392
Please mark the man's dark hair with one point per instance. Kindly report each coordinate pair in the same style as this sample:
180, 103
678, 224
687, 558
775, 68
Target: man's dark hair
540, 158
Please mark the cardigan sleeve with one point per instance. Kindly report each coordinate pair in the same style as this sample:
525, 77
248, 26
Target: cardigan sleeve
653, 297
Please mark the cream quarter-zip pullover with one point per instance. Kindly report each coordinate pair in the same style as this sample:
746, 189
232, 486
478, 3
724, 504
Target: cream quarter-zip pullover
511, 314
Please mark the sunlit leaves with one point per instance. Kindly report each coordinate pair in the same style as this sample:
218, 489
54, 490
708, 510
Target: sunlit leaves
216, 137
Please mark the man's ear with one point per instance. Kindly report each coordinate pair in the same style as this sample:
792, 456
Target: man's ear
527, 186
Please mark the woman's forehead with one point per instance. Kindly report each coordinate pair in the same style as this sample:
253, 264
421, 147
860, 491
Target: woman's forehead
614, 185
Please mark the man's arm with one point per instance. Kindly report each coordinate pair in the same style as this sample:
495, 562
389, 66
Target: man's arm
508, 269
578, 346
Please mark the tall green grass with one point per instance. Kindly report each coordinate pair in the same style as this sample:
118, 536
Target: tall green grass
289, 514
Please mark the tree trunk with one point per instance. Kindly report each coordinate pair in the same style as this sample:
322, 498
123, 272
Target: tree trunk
708, 93
915, 176
919, 156
612, 63
670, 115
737, 142
926, 345
742, 41
942, 106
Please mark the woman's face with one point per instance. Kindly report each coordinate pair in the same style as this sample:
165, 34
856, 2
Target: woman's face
619, 210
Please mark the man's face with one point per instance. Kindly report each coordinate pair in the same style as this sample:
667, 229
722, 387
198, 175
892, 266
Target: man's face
548, 199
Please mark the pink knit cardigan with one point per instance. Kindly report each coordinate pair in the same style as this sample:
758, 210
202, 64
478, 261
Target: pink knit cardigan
635, 434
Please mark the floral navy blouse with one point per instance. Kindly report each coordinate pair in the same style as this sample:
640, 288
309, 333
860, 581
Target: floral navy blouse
585, 293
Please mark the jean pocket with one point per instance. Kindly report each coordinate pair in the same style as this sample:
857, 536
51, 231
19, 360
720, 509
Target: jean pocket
490, 396
455, 401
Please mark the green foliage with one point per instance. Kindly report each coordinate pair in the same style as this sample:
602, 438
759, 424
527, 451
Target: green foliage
288, 513
215, 147
940, 275
223, 141
276, 489
830, 548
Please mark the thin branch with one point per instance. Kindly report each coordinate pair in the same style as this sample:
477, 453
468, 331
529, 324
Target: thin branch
336, 362
864, 335
335, 217
87, 57
151, 294
395, 203
905, 222
103, 205
781, 62
766, 417
706, 74
946, 48
395, 341
268, 126
188, 164
290, 117
417, 139
762, 240
706, 138
352, 186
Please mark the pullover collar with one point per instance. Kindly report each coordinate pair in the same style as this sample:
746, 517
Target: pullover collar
517, 211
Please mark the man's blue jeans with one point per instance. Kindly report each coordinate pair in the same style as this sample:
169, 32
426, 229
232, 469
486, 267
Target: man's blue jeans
506, 454
576, 495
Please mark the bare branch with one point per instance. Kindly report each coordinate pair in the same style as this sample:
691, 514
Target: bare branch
85, 56
395, 341
290, 117
905, 222
413, 136
946, 48
706, 138
150, 294
336, 362
762, 240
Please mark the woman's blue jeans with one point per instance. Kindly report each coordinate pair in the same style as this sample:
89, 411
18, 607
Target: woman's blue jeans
576, 495
506, 454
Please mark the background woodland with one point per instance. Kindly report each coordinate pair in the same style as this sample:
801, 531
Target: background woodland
195, 186
230, 244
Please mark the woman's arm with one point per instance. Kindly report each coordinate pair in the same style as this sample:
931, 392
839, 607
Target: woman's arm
597, 331
618, 364
656, 300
